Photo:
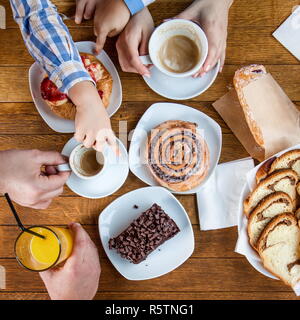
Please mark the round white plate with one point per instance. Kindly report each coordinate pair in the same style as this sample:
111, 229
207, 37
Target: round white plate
180, 88
116, 217
251, 255
160, 112
111, 179
36, 76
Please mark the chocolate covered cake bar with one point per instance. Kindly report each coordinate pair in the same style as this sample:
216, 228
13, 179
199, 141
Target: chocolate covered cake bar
151, 229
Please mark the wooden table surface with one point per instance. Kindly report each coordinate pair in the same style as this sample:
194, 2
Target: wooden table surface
214, 271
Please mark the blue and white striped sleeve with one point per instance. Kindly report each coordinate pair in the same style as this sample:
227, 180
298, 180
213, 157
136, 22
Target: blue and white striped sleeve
135, 6
49, 42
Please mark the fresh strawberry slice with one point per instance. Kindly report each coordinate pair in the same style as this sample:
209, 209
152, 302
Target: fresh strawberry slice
100, 93
50, 91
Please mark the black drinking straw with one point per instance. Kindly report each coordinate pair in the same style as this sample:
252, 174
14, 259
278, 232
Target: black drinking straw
13, 210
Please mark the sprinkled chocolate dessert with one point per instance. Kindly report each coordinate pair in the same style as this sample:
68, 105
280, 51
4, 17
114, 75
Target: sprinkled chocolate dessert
151, 229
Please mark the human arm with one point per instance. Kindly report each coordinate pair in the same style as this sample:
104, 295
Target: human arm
50, 43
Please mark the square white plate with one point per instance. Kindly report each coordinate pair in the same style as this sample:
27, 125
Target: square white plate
116, 217
160, 112
36, 76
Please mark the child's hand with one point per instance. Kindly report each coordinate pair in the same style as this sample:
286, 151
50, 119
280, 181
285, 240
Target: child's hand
212, 16
111, 17
133, 41
92, 123
85, 9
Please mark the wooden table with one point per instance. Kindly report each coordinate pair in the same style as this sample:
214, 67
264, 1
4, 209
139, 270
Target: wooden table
214, 271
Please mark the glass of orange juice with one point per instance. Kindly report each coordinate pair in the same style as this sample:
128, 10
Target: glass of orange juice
37, 254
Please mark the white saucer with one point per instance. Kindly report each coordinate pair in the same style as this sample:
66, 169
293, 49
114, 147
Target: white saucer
36, 76
111, 179
160, 112
180, 88
117, 216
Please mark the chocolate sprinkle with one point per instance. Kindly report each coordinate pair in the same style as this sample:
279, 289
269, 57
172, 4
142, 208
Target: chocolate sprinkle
151, 229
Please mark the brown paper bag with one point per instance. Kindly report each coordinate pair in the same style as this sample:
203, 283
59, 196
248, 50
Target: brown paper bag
275, 114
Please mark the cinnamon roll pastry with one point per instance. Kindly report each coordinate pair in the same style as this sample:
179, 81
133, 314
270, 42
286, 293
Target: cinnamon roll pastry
177, 155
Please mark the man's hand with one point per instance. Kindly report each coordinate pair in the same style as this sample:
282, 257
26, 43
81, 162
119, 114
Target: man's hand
22, 178
133, 42
212, 16
92, 123
110, 19
78, 278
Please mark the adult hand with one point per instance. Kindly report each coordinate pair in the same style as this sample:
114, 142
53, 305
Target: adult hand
78, 278
22, 178
133, 42
110, 19
212, 16
92, 123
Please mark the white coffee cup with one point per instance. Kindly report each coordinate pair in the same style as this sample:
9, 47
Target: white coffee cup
176, 27
74, 164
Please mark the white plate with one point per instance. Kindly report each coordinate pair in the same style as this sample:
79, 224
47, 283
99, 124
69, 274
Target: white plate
248, 251
160, 112
250, 254
36, 76
120, 213
111, 179
180, 88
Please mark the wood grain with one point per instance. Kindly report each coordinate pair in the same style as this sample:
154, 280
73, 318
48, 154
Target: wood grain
214, 271
14, 84
168, 295
66, 209
231, 146
269, 13
244, 46
221, 243
196, 274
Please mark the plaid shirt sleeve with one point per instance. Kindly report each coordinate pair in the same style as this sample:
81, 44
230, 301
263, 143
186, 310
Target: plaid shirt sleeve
49, 42
135, 6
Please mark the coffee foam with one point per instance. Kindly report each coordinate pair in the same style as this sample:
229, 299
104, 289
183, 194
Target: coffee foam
179, 30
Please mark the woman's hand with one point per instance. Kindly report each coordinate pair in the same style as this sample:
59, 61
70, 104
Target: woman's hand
133, 42
212, 16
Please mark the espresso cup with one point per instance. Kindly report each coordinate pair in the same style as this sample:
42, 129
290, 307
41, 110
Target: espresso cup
86, 163
173, 28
